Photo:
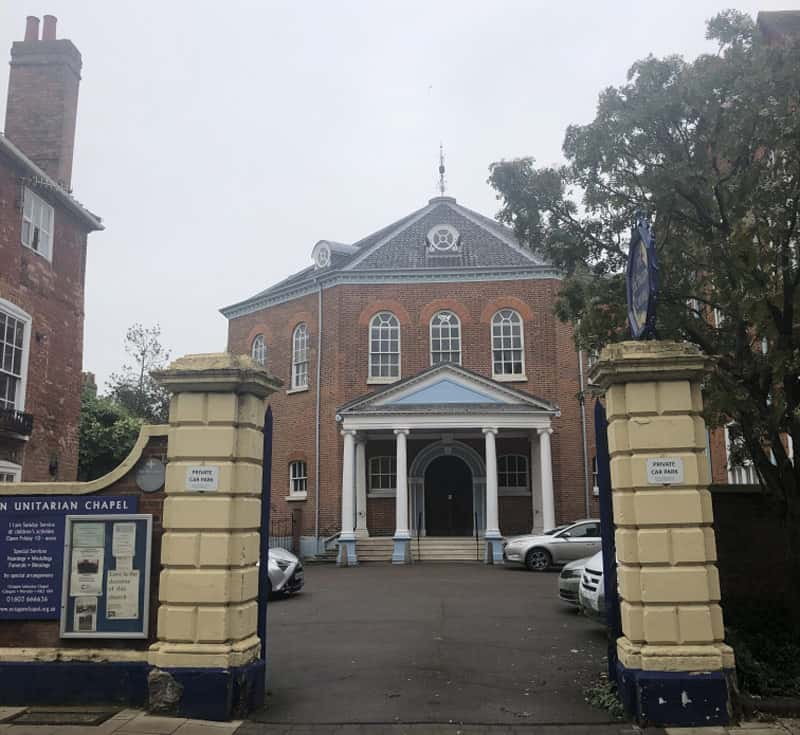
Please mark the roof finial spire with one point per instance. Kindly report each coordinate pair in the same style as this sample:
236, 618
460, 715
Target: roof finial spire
442, 183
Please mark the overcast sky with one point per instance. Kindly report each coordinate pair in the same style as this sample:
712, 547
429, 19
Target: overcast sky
220, 141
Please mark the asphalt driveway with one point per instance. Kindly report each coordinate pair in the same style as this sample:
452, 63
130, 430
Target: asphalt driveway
430, 643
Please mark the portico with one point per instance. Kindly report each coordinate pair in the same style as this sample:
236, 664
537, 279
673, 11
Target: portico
454, 420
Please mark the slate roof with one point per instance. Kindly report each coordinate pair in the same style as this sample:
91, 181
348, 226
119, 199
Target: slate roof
402, 247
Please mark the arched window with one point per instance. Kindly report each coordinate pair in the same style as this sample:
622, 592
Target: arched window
384, 346
512, 472
300, 356
258, 351
507, 344
445, 338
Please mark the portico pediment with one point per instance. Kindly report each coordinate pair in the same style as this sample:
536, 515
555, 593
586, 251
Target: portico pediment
447, 388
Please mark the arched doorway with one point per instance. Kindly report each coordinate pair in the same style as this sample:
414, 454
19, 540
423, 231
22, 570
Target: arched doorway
449, 509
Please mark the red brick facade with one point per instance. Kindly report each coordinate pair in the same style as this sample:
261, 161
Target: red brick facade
40, 124
551, 369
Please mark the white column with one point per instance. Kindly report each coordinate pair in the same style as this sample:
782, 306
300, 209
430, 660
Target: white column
348, 486
361, 487
536, 486
546, 469
401, 501
492, 514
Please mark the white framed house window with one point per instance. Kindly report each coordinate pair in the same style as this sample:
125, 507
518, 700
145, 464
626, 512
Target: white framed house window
258, 350
739, 474
298, 479
595, 477
10, 472
445, 338
382, 475
512, 474
15, 337
37, 224
508, 345
300, 357
384, 348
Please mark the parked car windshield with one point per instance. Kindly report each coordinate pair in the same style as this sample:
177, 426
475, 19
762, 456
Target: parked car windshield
582, 530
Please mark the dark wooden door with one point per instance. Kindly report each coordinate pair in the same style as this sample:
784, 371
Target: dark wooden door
448, 498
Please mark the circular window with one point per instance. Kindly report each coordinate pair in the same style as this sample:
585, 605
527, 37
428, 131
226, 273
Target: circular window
323, 257
443, 238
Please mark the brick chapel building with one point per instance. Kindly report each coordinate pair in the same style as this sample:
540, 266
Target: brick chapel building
43, 233
429, 388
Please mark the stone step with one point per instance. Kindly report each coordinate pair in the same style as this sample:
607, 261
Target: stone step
428, 548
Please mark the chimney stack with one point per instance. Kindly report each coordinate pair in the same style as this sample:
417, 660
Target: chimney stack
42, 105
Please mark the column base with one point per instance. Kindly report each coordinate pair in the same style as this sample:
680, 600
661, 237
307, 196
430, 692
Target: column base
494, 550
675, 698
361, 533
402, 550
347, 553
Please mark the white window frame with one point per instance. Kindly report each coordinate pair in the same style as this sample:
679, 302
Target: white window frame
513, 489
258, 349
10, 468
595, 477
33, 206
376, 323
502, 376
15, 312
455, 322
743, 474
382, 492
300, 349
298, 479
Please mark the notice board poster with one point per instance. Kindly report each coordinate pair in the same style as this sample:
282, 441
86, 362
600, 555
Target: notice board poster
106, 590
32, 548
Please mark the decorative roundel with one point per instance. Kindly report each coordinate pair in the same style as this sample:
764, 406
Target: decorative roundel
443, 238
323, 257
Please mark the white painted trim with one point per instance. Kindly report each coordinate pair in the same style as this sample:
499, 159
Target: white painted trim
385, 378
383, 381
11, 468
509, 377
48, 253
445, 421
23, 316
275, 296
294, 498
293, 376
385, 493
505, 378
292, 391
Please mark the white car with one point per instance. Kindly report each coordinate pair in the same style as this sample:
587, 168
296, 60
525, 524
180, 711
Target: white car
560, 546
285, 572
592, 591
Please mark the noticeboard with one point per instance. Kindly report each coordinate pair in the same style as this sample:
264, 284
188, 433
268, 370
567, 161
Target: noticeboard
31, 545
105, 591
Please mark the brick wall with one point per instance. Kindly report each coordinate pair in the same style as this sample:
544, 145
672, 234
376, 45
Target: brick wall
52, 293
550, 360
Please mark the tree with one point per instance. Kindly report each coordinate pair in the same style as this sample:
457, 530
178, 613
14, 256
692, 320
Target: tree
107, 433
710, 149
133, 388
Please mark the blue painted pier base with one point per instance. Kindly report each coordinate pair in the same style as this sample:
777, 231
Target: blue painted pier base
680, 699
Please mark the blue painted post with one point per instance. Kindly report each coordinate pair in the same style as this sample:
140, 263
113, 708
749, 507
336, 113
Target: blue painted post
266, 496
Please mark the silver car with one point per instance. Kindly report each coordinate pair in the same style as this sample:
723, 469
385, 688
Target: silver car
539, 553
569, 581
285, 572
592, 592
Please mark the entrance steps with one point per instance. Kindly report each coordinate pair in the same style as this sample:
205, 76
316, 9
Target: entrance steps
429, 548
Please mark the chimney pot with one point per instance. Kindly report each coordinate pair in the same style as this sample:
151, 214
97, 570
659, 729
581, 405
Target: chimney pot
49, 29
32, 28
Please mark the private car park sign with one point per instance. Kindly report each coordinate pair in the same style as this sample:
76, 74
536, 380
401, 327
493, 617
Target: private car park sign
665, 471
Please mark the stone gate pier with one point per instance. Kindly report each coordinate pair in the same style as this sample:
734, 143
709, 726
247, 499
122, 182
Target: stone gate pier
674, 666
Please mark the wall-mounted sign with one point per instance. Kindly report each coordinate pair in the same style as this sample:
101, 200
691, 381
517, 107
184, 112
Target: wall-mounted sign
642, 283
202, 478
150, 475
32, 547
665, 471
106, 590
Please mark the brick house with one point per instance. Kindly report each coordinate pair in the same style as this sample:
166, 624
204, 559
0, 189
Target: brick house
433, 339
43, 232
